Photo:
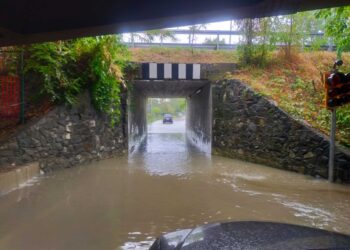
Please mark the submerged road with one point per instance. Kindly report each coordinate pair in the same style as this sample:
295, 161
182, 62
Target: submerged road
178, 126
125, 202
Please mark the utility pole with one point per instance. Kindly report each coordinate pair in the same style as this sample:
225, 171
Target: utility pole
332, 146
217, 41
132, 40
336, 95
230, 32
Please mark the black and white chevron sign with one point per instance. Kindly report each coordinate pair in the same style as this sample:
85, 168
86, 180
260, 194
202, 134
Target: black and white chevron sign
174, 71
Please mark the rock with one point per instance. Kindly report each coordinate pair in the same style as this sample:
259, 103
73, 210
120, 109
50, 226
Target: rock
308, 155
292, 155
92, 123
252, 127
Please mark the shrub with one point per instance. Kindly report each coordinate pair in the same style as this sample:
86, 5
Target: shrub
53, 64
66, 68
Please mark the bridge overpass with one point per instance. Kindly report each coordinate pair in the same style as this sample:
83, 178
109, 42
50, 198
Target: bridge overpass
172, 80
24, 21
224, 117
228, 118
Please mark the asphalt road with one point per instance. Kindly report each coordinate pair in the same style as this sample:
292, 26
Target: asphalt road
178, 126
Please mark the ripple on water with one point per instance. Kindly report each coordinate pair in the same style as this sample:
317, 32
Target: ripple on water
318, 217
141, 245
250, 177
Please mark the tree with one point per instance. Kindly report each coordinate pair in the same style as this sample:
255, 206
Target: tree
162, 34
255, 40
139, 36
214, 41
337, 26
286, 32
66, 68
309, 28
192, 36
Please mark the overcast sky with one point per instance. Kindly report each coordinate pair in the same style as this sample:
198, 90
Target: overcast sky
199, 38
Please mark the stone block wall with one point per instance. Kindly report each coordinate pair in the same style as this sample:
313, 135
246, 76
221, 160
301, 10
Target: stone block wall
65, 137
250, 127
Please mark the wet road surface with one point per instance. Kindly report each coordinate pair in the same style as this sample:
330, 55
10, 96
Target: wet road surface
178, 126
125, 202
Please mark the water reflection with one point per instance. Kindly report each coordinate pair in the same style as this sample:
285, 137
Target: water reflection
169, 154
126, 202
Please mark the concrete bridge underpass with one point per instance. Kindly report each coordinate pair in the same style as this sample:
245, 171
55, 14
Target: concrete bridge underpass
25, 21
172, 81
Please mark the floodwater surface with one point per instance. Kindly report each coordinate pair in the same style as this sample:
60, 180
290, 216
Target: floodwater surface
125, 202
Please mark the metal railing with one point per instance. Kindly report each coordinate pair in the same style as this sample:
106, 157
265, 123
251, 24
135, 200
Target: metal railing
212, 46
204, 46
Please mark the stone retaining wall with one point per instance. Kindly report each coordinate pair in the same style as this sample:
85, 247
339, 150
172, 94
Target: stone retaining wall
65, 137
250, 127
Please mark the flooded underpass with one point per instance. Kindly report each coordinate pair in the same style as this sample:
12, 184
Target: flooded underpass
125, 202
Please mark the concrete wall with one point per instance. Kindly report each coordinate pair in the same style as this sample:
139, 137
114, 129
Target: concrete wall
208, 71
137, 119
198, 112
216, 71
199, 119
18, 177
65, 137
250, 127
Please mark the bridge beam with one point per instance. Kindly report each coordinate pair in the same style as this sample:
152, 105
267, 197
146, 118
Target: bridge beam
24, 21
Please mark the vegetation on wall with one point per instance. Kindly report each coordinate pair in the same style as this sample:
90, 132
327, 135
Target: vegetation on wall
107, 60
66, 68
54, 66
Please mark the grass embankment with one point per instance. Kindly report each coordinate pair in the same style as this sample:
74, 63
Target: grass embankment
295, 84
182, 55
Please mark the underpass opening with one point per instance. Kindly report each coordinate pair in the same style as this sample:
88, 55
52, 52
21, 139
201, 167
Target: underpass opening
166, 115
166, 129
197, 96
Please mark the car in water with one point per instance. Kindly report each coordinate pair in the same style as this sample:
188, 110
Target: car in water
167, 118
251, 235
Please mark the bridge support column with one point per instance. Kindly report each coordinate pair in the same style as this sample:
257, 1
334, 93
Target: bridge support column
137, 121
199, 118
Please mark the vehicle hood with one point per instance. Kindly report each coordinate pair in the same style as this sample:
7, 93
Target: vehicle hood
252, 235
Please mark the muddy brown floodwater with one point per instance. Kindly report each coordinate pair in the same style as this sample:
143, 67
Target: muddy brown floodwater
124, 203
